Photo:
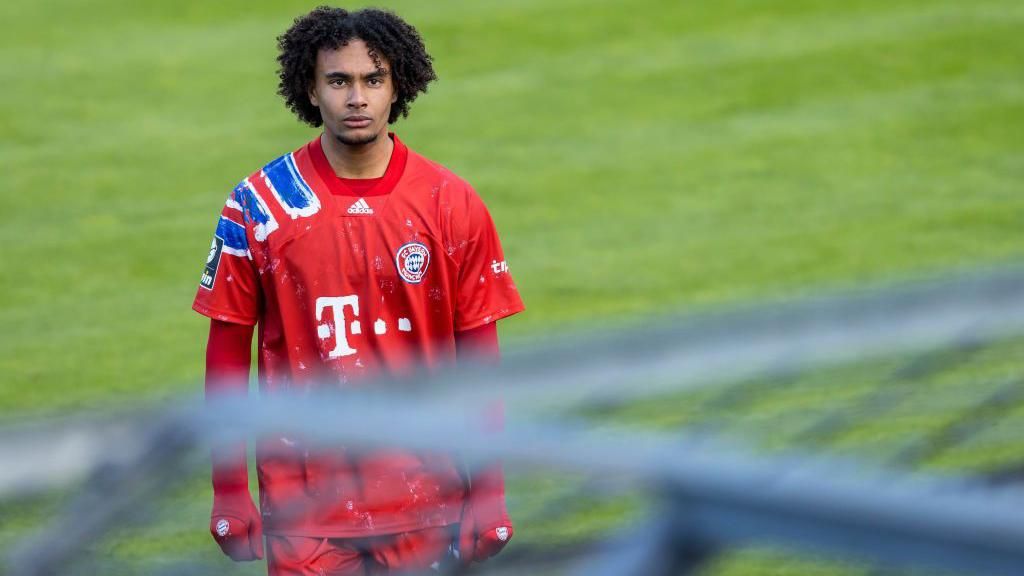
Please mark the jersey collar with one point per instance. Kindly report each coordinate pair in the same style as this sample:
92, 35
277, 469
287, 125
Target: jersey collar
337, 187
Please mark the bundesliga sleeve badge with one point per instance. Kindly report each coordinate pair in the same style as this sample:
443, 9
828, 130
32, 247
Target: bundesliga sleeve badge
212, 262
412, 260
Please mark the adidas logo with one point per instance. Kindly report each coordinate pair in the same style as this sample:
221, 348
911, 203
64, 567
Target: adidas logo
360, 207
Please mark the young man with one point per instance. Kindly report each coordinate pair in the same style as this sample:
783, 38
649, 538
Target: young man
357, 258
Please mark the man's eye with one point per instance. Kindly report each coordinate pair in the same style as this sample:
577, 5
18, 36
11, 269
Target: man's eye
375, 82
337, 82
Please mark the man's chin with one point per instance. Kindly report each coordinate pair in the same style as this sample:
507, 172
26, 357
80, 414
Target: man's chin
357, 137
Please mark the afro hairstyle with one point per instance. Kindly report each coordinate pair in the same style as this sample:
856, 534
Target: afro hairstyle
385, 34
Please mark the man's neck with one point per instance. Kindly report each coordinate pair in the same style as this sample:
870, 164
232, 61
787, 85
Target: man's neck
363, 161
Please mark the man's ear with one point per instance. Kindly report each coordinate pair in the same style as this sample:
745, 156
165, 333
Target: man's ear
312, 95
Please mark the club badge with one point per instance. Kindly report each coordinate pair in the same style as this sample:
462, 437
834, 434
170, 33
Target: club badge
223, 527
412, 260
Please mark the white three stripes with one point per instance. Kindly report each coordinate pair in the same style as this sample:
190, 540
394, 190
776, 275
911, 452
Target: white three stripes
360, 207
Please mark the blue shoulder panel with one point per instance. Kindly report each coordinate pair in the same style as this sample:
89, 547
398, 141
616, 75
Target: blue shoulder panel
291, 190
252, 210
233, 234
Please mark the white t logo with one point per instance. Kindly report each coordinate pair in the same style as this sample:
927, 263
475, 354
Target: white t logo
337, 305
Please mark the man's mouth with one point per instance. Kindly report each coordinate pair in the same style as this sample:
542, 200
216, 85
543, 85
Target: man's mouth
357, 121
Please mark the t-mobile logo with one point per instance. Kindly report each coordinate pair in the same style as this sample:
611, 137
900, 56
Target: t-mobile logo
340, 329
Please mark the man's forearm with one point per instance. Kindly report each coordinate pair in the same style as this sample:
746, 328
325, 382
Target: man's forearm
228, 357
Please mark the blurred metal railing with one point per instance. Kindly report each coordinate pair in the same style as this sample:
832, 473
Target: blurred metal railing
711, 495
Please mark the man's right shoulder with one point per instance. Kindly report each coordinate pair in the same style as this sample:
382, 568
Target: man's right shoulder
279, 186
282, 163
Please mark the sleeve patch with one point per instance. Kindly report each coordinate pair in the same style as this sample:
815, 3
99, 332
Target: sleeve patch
212, 263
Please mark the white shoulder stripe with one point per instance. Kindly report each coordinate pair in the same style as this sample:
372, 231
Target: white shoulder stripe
237, 252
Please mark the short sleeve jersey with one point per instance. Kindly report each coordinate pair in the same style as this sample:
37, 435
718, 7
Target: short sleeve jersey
345, 288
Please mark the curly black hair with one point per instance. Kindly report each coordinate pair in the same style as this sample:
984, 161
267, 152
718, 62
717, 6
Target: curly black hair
385, 35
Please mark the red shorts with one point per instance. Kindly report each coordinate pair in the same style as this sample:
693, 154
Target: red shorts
408, 551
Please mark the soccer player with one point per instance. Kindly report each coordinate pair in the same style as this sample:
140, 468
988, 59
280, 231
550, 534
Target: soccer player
356, 257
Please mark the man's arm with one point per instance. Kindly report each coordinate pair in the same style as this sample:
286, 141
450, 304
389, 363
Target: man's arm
486, 526
234, 522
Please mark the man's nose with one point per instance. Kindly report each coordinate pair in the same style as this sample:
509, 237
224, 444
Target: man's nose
356, 97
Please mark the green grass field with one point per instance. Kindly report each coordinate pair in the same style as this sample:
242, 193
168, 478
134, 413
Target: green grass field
637, 156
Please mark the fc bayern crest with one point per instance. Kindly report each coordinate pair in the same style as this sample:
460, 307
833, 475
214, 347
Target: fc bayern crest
412, 260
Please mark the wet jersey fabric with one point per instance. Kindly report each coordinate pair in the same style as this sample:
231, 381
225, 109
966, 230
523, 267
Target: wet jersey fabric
345, 287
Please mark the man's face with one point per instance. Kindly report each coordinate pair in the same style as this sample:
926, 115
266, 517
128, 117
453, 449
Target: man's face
353, 93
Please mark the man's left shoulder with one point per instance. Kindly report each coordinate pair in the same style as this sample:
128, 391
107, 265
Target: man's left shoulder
443, 178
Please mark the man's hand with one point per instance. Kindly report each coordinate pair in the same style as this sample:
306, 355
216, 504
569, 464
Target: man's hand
479, 546
485, 527
491, 542
237, 527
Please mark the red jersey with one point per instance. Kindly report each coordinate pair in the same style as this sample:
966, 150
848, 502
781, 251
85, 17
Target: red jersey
345, 287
